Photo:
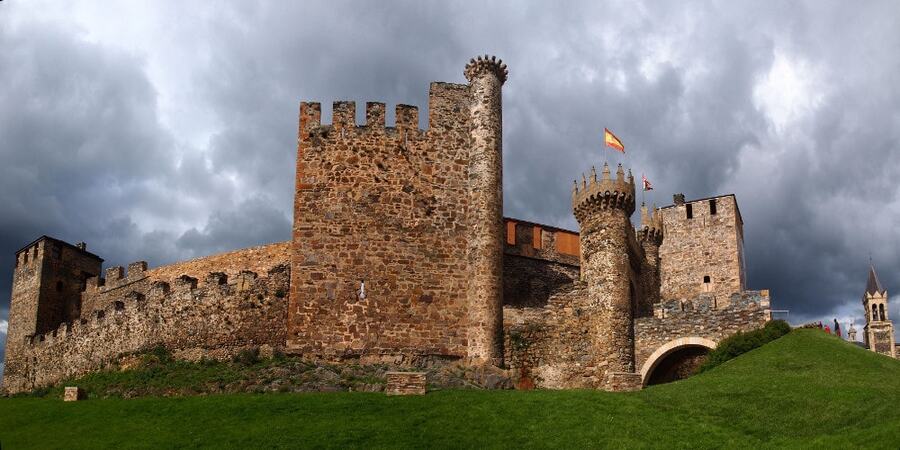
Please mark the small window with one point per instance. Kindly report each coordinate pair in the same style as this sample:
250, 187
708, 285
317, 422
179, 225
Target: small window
59, 286
57, 251
874, 312
690, 211
712, 207
26, 257
881, 309
706, 279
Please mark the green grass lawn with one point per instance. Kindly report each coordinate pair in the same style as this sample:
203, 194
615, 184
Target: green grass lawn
805, 390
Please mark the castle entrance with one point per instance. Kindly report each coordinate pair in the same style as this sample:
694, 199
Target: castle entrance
676, 360
678, 365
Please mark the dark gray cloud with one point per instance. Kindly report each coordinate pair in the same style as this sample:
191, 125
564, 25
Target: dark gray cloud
175, 136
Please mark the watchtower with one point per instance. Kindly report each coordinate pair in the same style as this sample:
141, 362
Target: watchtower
704, 249
609, 267
879, 330
48, 279
415, 216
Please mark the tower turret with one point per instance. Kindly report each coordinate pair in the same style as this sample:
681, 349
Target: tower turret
650, 236
48, 279
602, 208
879, 330
486, 76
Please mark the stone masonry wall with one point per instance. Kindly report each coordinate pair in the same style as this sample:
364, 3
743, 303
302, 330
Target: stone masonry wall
550, 347
534, 267
214, 318
255, 259
380, 236
532, 281
699, 318
704, 245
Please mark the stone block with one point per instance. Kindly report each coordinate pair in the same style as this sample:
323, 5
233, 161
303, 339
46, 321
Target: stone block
623, 381
405, 383
73, 394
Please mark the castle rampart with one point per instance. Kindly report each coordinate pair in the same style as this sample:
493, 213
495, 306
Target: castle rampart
211, 318
399, 253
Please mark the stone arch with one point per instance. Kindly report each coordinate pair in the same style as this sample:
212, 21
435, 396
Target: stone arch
670, 347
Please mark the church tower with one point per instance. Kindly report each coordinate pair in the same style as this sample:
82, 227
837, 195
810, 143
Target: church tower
879, 330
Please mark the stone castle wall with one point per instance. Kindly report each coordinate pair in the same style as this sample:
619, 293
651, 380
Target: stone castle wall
383, 209
255, 259
706, 245
698, 317
538, 262
215, 318
550, 347
398, 253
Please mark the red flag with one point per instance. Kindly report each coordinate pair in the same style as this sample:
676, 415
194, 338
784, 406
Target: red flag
647, 185
612, 141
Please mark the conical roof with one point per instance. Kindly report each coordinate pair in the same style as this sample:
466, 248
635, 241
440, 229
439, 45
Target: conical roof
873, 286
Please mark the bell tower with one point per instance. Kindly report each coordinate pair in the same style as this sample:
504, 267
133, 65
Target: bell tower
879, 330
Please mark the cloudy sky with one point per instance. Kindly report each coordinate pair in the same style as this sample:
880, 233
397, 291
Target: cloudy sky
160, 131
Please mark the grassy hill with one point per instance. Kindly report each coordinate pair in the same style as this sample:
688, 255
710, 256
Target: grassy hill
804, 390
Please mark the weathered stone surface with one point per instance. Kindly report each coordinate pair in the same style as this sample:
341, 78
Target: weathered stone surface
72, 394
205, 320
400, 255
397, 237
704, 253
405, 383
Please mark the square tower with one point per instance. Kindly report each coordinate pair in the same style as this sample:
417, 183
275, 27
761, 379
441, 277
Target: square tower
703, 252
48, 279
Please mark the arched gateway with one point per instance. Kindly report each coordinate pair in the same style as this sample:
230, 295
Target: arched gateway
668, 361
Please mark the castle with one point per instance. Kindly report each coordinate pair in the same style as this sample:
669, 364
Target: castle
400, 253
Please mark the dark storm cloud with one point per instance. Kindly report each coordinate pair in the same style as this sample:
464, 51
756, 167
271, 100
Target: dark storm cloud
94, 150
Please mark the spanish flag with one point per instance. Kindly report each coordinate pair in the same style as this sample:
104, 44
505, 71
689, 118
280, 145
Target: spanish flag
612, 141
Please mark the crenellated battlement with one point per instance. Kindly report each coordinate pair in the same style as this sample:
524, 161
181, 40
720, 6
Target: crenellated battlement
486, 64
172, 293
215, 317
398, 254
343, 123
603, 193
116, 277
651, 229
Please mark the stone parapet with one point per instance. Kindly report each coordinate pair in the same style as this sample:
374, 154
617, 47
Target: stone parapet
594, 194
195, 319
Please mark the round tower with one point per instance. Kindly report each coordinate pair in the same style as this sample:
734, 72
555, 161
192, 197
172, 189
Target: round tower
486, 76
650, 235
602, 208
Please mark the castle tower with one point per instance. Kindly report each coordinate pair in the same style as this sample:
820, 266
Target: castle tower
879, 330
650, 235
602, 208
48, 278
704, 249
485, 246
